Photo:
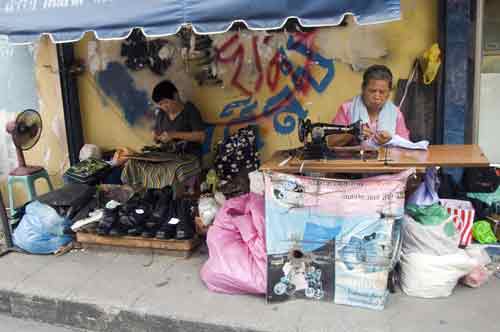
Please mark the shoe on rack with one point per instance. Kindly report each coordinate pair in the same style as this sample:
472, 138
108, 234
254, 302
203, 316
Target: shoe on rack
185, 227
168, 226
165, 196
109, 218
135, 221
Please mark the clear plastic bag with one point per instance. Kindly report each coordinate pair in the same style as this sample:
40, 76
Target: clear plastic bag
41, 230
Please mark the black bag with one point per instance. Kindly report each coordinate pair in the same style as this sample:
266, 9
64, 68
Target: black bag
480, 180
448, 187
69, 200
417, 102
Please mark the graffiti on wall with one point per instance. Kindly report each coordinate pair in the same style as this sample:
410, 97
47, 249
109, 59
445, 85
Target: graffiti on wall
283, 106
284, 67
117, 83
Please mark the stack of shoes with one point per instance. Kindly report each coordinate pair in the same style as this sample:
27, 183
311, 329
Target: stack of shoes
168, 226
178, 221
185, 227
154, 214
161, 200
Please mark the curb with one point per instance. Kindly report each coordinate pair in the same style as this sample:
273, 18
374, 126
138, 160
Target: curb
91, 317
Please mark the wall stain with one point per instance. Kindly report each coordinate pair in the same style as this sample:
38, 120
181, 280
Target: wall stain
117, 83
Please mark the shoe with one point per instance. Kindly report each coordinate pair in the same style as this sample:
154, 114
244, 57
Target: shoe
165, 196
134, 222
168, 228
185, 228
109, 218
151, 226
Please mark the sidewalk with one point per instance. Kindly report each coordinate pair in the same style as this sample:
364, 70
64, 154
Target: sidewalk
116, 291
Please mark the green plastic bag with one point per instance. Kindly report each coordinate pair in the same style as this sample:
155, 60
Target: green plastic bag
482, 232
428, 215
432, 215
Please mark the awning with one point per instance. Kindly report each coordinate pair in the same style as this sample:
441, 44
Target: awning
23, 21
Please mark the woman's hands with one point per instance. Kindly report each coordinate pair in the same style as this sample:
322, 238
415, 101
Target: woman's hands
164, 137
380, 137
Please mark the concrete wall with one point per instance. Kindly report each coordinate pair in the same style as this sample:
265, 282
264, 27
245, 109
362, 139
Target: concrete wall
489, 119
51, 150
114, 100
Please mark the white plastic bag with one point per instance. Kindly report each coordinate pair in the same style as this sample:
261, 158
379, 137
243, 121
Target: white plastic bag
207, 208
477, 277
427, 239
256, 182
480, 274
431, 276
90, 151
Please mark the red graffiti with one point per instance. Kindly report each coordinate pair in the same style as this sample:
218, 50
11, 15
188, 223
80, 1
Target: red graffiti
258, 65
275, 67
237, 57
273, 72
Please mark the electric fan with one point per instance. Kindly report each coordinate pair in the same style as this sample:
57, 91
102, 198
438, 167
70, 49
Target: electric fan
25, 132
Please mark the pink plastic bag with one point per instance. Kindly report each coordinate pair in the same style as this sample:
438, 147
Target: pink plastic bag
237, 251
477, 277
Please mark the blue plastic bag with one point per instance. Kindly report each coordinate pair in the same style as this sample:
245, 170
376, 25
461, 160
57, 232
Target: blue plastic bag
427, 193
41, 230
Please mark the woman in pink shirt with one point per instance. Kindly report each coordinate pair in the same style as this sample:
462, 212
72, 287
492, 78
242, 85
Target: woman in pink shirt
380, 117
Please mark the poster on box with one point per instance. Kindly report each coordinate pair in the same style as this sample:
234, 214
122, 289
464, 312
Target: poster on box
348, 230
307, 270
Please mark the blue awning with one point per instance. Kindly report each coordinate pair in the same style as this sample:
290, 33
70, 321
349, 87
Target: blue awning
23, 21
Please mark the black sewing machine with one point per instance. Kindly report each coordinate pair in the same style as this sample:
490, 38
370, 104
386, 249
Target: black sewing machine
316, 147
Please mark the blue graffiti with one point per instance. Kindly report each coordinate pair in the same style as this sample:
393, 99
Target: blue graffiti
283, 107
209, 135
284, 103
318, 59
246, 112
246, 115
117, 83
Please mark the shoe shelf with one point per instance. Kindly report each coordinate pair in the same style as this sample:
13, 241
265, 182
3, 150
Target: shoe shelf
137, 242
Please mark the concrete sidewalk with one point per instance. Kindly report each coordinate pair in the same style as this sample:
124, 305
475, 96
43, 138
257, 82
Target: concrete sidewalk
111, 291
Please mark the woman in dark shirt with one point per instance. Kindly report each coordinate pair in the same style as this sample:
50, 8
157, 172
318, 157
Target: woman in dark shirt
176, 123
175, 120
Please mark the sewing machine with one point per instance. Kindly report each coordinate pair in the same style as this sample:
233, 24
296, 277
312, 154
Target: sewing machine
317, 148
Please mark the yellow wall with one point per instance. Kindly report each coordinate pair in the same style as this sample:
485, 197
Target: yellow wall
402, 41
51, 149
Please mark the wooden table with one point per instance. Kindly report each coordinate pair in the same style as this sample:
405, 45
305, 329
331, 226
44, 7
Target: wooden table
397, 160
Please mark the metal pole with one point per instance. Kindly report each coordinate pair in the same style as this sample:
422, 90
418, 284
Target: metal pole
478, 58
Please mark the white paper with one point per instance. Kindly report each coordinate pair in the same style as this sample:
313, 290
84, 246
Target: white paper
174, 221
400, 142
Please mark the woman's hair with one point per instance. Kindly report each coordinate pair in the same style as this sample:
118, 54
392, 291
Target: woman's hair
164, 90
377, 72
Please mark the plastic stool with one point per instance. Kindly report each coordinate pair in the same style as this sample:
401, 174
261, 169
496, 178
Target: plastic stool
29, 183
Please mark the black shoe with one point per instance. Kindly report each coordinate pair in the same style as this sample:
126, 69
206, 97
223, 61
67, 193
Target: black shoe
162, 204
109, 218
185, 227
151, 226
167, 229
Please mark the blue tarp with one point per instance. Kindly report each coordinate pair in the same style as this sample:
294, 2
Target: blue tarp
66, 20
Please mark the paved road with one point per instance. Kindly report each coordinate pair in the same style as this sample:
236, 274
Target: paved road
9, 324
